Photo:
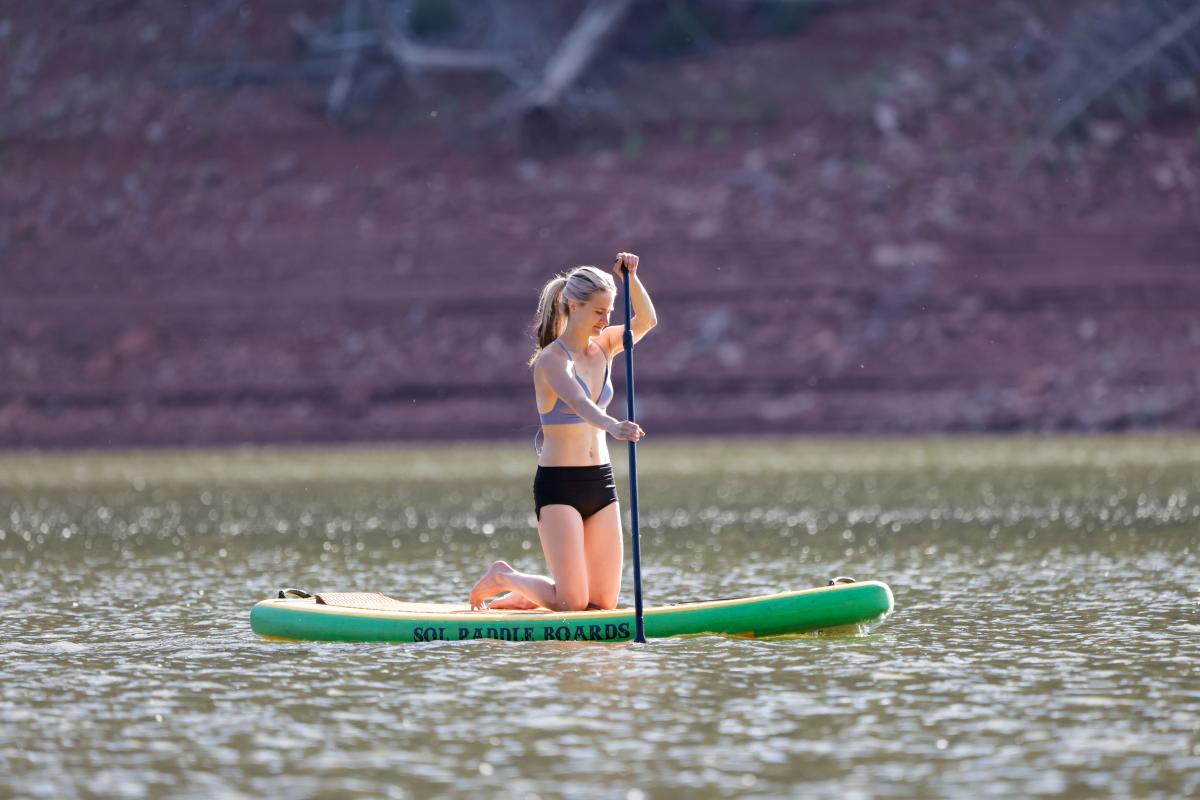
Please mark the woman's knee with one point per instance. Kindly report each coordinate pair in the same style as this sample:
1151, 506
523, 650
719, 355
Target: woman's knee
573, 598
604, 601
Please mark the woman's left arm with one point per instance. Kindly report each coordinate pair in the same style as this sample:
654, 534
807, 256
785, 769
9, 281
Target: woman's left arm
644, 317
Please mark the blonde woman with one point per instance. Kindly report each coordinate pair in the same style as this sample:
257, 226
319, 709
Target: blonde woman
575, 496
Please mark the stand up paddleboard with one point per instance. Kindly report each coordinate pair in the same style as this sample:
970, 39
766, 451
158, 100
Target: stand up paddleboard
370, 617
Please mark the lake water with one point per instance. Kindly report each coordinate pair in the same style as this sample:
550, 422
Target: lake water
1045, 640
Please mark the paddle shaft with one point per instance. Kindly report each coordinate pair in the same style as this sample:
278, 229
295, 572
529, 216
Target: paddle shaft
627, 340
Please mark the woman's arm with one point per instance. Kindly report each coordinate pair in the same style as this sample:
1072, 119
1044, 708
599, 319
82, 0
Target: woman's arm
644, 317
554, 369
643, 310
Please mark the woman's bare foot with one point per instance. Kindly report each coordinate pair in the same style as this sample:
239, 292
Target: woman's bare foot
513, 601
490, 584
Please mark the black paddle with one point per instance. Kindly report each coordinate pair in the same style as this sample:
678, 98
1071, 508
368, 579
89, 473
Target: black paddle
640, 636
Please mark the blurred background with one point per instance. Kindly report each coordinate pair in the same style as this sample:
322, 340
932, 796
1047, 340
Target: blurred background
272, 221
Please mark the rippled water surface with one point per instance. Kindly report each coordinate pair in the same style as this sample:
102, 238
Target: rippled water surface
1045, 640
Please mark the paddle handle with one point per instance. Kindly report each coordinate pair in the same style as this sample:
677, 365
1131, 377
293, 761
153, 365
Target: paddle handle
635, 534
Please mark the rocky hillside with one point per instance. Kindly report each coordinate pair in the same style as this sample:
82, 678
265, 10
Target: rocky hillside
838, 228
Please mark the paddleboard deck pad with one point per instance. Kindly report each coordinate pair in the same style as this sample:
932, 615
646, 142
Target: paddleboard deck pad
372, 617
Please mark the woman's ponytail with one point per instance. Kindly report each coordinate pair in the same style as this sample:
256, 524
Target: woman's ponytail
551, 314
579, 285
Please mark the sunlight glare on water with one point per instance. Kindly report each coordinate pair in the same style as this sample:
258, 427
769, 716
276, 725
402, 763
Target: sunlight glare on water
1045, 638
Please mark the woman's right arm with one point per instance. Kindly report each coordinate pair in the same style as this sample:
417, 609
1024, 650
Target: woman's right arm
554, 368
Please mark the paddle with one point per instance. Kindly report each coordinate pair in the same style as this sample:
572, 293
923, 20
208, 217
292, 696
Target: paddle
627, 339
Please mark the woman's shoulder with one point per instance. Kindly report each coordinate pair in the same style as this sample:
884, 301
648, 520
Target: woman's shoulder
548, 356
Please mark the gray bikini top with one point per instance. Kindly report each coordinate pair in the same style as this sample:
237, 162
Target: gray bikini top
563, 414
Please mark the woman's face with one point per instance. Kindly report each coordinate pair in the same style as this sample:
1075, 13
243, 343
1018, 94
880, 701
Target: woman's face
595, 312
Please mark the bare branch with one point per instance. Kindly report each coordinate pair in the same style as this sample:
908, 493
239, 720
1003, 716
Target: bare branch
568, 62
1106, 81
578, 48
343, 82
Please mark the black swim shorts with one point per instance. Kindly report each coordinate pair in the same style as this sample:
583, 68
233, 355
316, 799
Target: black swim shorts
586, 489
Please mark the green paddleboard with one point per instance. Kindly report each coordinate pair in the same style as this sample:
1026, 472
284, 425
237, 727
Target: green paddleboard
369, 617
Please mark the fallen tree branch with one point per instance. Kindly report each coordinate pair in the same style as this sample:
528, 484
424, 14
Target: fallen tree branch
568, 62
576, 51
1119, 70
343, 82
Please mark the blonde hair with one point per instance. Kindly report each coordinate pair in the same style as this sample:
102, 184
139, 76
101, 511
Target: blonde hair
579, 285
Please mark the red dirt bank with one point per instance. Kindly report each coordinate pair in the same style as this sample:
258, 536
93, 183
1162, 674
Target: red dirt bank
851, 251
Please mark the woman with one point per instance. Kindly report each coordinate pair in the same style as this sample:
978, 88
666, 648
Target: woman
575, 496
